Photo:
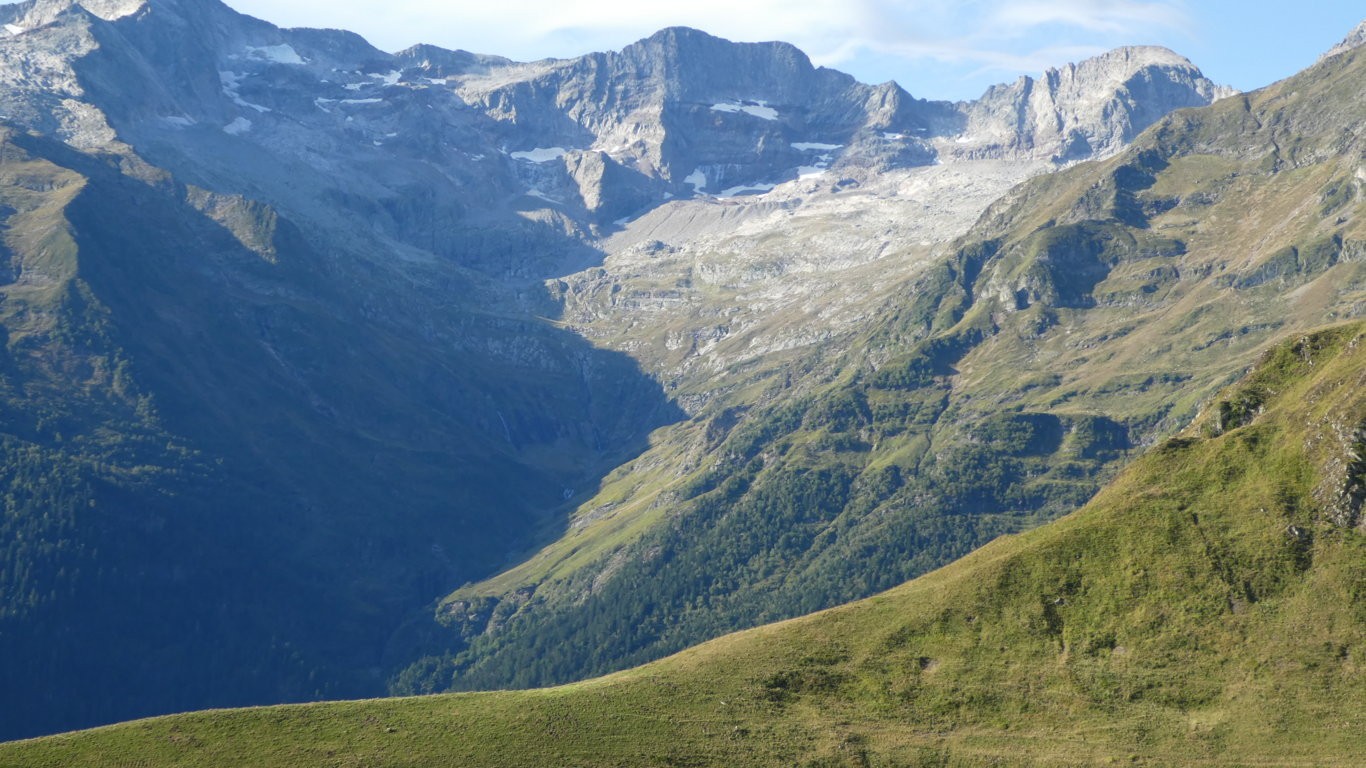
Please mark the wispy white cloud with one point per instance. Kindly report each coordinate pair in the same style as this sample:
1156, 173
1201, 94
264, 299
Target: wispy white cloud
1004, 33
1108, 16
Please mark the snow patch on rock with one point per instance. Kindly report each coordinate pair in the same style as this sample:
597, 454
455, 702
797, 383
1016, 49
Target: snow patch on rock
280, 54
231, 82
746, 189
759, 109
540, 154
237, 127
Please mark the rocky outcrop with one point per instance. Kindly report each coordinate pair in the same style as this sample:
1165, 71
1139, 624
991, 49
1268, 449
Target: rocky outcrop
1083, 110
1356, 39
36, 13
700, 113
709, 117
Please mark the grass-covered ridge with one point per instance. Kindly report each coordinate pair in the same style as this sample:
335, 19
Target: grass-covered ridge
1207, 608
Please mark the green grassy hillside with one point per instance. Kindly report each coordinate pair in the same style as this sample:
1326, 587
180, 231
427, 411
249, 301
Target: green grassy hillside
1207, 608
1086, 317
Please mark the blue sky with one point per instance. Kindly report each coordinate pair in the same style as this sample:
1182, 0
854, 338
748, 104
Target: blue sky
949, 49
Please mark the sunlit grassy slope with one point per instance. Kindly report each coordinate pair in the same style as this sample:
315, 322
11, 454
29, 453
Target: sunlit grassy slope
1207, 608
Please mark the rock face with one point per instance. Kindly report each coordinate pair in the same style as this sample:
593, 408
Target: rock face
1084, 110
1356, 39
702, 115
698, 113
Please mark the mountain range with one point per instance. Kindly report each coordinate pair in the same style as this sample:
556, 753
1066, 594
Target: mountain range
641, 348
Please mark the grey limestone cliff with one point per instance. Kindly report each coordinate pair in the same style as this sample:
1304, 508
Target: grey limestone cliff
1084, 110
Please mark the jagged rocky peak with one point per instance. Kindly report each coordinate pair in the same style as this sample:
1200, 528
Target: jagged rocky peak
674, 65
1087, 109
678, 114
1356, 39
682, 110
683, 113
1122, 62
693, 65
198, 29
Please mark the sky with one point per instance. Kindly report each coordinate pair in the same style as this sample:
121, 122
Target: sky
942, 49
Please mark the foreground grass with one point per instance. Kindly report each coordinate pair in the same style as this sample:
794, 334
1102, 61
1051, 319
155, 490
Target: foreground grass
1204, 610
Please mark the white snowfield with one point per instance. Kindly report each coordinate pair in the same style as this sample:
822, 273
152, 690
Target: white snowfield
746, 189
280, 54
822, 164
539, 154
231, 81
697, 179
237, 127
759, 109
15, 30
